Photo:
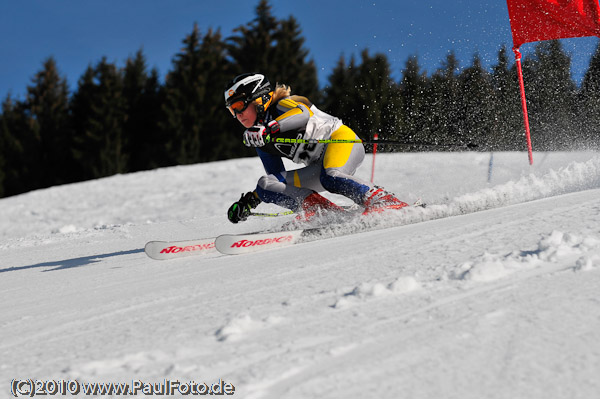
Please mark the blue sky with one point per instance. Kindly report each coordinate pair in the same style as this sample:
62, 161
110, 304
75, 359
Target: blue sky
78, 33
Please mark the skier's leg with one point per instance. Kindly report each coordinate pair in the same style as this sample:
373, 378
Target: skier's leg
340, 162
337, 174
297, 191
272, 190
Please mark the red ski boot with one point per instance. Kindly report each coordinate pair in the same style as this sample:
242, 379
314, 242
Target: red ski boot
315, 204
379, 200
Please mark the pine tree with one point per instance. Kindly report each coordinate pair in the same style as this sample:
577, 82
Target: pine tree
15, 139
252, 48
276, 49
507, 127
589, 105
476, 114
365, 97
3, 151
48, 108
339, 92
413, 88
199, 127
182, 103
378, 99
98, 108
443, 104
35, 135
221, 133
2, 162
550, 92
142, 96
291, 58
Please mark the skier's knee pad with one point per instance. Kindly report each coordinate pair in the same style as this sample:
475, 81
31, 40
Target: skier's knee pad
270, 183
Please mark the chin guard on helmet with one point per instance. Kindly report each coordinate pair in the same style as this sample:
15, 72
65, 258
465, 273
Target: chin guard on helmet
262, 103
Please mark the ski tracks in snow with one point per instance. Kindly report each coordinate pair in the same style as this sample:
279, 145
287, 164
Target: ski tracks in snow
454, 303
410, 313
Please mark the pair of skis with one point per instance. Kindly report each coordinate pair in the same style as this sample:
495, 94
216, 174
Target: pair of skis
229, 244
237, 244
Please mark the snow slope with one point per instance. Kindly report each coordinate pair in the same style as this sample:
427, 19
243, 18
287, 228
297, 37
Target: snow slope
489, 292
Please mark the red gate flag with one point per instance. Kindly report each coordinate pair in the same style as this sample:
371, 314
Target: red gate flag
534, 20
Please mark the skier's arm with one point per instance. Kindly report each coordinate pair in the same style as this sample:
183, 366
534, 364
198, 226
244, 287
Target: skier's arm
302, 99
293, 115
273, 164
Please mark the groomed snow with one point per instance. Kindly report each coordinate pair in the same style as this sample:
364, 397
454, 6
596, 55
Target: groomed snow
489, 292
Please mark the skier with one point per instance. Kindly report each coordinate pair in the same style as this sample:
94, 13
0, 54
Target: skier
269, 113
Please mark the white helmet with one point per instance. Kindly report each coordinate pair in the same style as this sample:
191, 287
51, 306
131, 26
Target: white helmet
244, 89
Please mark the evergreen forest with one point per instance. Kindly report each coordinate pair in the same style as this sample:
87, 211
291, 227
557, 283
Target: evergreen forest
123, 118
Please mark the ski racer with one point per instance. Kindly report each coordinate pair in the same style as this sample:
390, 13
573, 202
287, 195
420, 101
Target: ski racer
269, 113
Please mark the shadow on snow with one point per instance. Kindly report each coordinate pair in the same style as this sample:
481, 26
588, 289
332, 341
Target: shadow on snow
71, 263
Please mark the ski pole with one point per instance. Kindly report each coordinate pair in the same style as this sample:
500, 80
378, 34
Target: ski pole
386, 142
271, 215
276, 214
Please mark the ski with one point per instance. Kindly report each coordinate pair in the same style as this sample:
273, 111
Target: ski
235, 244
164, 250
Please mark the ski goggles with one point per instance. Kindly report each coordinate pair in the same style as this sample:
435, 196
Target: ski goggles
238, 107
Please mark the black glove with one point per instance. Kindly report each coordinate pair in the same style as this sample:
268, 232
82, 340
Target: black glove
240, 210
